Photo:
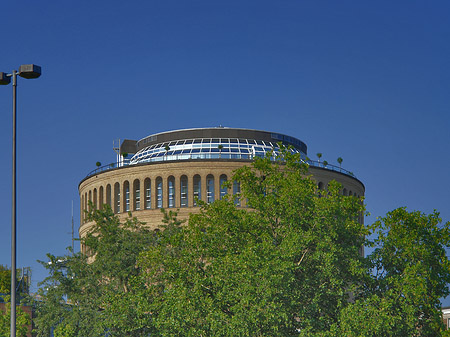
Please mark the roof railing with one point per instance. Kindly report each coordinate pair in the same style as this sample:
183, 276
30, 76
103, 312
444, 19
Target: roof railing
313, 163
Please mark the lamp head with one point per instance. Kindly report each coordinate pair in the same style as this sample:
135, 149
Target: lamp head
4, 78
29, 71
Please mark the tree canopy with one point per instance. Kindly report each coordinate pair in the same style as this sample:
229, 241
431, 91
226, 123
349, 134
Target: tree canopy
88, 295
23, 319
290, 265
5, 280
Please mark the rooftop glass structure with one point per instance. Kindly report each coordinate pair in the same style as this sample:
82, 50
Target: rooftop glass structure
207, 148
212, 143
219, 143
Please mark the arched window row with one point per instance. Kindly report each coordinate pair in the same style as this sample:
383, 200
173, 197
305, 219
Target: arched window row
158, 192
170, 192
322, 186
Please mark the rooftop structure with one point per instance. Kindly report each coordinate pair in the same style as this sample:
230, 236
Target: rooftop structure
174, 169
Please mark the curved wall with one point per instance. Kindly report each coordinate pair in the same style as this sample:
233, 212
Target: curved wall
143, 189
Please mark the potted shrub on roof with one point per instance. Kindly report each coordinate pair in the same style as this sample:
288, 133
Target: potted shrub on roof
340, 160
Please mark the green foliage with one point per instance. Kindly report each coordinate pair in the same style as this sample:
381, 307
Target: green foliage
5, 280
290, 265
22, 281
287, 265
88, 299
411, 273
65, 330
23, 320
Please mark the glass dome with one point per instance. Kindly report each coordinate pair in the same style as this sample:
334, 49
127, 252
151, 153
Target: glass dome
207, 148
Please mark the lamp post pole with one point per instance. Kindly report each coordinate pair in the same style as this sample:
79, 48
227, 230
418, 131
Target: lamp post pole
26, 71
14, 209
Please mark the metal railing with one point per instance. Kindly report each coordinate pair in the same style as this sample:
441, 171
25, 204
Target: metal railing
313, 163
108, 167
329, 167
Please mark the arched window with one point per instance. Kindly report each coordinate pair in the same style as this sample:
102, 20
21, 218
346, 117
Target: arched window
209, 188
137, 195
350, 193
237, 193
116, 198
90, 198
320, 185
197, 188
159, 193
108, 195
85, 205
223, 189
183, 191
148, 193
126, 196
344, 191
82, 209
100, 197
171, 191
95, 198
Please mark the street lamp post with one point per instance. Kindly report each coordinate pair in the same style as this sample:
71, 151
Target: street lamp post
25, 71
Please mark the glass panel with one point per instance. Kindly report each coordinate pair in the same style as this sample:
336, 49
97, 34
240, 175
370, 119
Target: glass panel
197, 189
138, 200
236, 193
208, 148
148, 195
184, 191
209, 189
223, 189
171, 182
159, 193
127, 198
117, 198
108, 195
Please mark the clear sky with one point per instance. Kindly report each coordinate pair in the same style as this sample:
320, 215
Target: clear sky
367, 81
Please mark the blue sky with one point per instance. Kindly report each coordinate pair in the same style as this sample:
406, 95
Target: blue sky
365, 81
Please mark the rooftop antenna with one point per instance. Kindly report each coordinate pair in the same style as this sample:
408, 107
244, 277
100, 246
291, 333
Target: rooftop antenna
116, 149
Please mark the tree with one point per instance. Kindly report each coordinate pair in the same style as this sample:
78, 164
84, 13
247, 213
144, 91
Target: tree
286, 266
319, 155
340, 160
89, 295
290, 265
5, 280
410, 273
23, 320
